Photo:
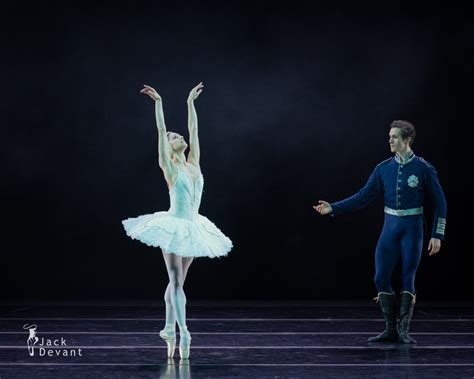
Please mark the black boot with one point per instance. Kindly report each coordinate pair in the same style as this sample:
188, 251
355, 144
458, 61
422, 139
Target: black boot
388, 304
407, 303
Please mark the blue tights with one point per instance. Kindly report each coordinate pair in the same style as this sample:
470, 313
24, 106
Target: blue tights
400, 237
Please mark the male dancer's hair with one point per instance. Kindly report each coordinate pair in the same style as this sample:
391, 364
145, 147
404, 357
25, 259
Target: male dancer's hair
407, 129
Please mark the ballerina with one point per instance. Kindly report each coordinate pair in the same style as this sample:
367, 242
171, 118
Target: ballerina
181, 232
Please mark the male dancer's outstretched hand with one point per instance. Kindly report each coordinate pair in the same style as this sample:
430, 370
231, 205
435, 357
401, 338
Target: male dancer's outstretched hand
434, 246
323, 208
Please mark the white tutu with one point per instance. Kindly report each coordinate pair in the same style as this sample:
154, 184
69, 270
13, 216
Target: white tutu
181, 230
197, 238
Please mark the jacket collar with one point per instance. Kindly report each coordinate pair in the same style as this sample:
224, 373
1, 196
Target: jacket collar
408, 159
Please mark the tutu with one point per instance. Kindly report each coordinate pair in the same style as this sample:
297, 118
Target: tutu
181, 230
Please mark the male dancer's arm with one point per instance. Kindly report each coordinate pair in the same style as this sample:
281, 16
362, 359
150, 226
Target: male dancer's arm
440, 208
355, 202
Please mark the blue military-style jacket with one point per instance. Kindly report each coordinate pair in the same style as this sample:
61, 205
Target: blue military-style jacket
403, 184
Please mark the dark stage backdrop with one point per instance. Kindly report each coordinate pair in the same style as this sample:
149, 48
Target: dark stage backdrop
297, 105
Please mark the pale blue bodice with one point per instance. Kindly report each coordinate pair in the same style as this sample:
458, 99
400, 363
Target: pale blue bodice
185, 196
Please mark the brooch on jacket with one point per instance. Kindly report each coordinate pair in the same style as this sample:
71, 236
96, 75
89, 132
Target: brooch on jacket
413, 181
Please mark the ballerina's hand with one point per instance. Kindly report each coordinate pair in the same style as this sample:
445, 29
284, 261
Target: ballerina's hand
195, 92
150, 91
323, 208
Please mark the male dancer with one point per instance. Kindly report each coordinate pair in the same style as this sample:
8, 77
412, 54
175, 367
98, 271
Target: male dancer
403, 179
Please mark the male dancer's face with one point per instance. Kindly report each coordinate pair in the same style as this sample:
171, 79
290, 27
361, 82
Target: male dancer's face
397, 143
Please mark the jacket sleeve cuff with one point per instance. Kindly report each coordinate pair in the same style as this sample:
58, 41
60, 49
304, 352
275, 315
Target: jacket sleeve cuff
438, 236
439, 228
336, 210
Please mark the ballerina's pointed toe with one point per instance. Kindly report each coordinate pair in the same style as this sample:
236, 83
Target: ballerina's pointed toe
169, 336
184, 344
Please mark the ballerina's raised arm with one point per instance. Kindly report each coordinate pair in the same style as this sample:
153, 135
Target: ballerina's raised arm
194, 151
164, 157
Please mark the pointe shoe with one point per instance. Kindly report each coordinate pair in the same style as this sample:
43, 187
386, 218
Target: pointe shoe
184, 343
169, 336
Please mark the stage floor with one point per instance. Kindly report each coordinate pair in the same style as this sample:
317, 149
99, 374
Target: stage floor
262, 340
